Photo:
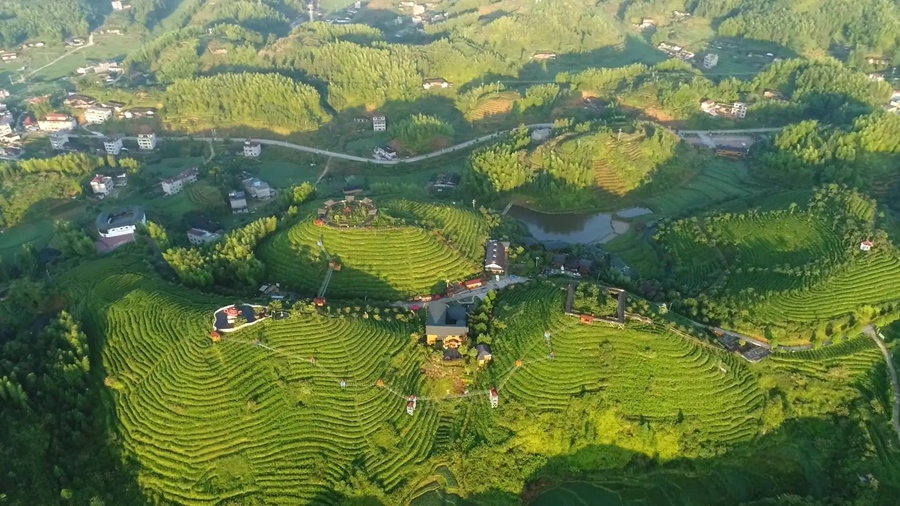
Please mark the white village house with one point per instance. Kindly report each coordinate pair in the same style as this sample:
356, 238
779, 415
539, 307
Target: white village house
176, 184
147, 142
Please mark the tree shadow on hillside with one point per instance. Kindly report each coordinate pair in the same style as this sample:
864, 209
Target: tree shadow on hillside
634, 50
816, 458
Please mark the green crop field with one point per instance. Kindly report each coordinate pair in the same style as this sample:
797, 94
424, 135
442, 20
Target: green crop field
235, 420
38, 233
282, 174
261, 417
642, 371
719, 180
781, 266
437, 243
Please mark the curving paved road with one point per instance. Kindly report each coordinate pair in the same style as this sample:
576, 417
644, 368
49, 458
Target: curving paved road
735, 131
434, 154
355, 158
892, 372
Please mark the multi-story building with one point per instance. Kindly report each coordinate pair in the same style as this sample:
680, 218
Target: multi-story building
147, 142
97, 114
102, 185
6, 124
56, 122
710, 60
58, 140
379, 123
177, 183
739, 110
112, 145
252, 149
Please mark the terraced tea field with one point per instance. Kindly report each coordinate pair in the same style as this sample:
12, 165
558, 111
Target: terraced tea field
645, 371
262, 416
748, 247
438, 243
209, 422
719, 181
494, 104
873, 280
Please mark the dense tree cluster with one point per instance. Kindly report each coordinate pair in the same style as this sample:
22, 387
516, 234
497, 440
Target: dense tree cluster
799, 26
500, 167
863, 154
28, 182
51, 409
356, 75
419, 132
547, 26
262, 100
873, 23
52, 20
593, 300
228, 262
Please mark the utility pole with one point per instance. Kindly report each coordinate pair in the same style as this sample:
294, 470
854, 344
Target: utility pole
473, 203
619, 138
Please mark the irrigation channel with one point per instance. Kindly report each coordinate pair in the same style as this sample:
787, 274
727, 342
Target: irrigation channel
344, 382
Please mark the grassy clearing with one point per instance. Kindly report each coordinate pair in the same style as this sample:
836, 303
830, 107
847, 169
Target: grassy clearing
286, 174
382, 262
38, 233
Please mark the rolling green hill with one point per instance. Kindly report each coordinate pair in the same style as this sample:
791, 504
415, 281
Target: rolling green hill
262, 417
416, 247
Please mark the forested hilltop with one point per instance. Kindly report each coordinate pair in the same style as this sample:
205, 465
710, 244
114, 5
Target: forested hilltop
474, 252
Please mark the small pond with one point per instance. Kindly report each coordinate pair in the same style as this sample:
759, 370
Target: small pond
577, 228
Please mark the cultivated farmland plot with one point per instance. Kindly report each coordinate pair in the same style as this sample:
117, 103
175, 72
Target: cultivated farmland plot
432, 243
263, 416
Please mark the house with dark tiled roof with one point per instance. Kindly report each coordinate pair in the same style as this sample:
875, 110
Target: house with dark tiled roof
446, 323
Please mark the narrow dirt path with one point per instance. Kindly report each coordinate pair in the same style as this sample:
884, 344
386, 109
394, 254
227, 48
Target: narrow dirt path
90, 43
892, 372
324, 172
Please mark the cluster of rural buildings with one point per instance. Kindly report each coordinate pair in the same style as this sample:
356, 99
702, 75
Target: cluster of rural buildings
254, 188
96, 112
446, 322
8, 135
675, 51
733, 110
